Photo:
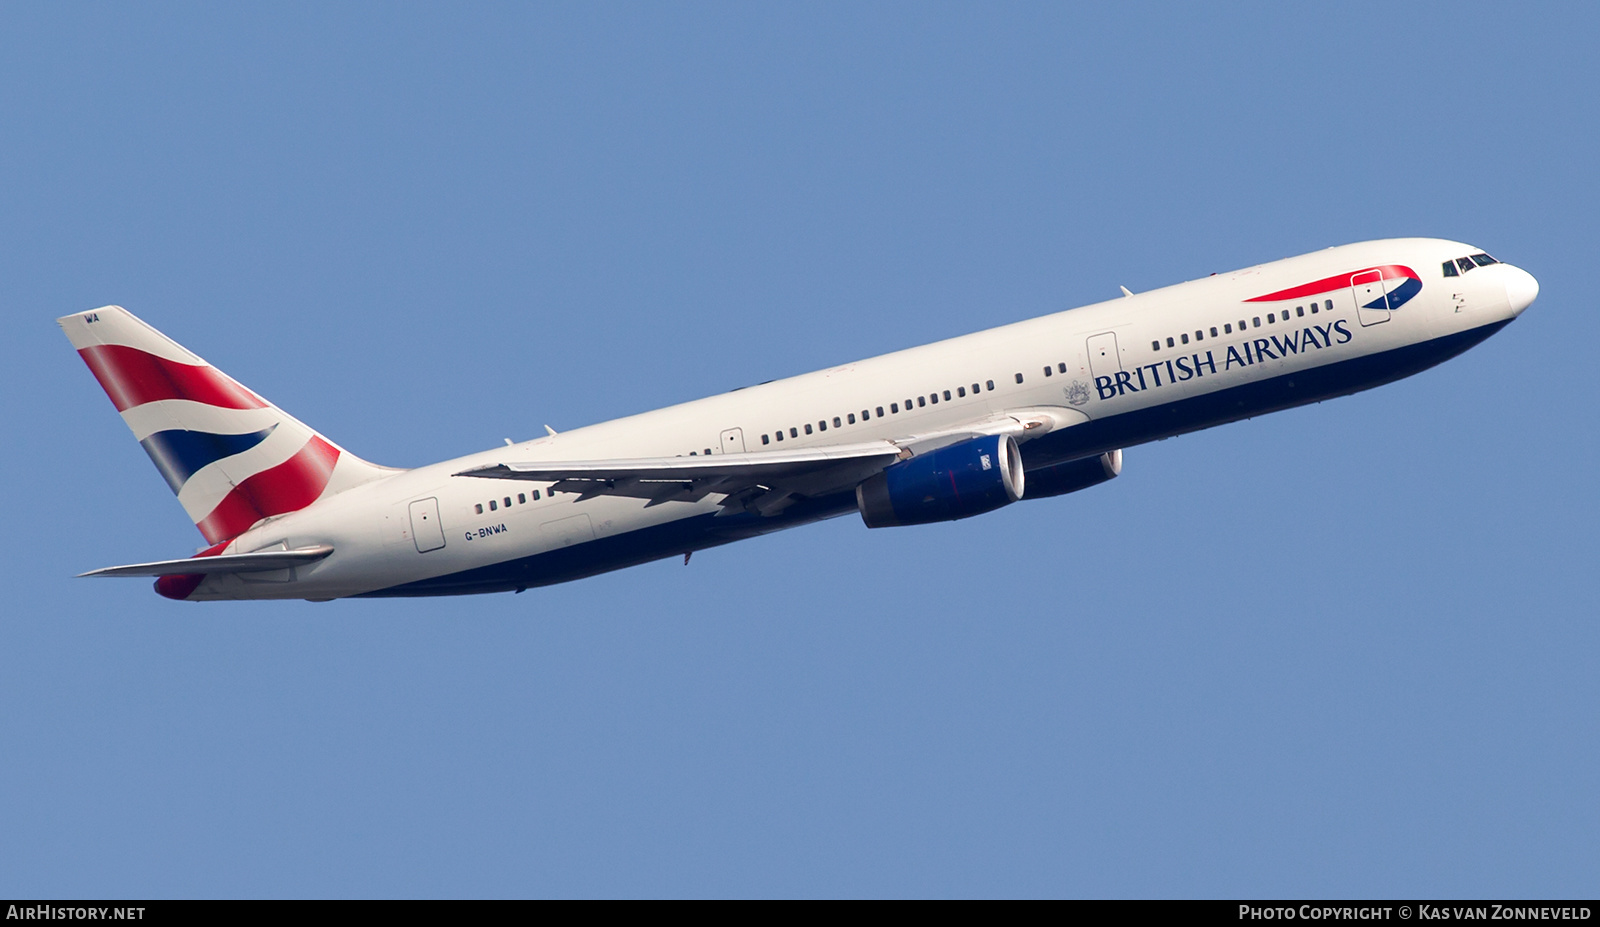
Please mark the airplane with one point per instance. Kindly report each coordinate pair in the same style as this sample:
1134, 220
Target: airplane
957, 428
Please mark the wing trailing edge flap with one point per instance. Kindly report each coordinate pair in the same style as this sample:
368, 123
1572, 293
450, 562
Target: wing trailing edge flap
224, 563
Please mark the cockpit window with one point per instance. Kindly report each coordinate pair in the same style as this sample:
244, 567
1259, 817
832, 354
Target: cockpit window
1450, 269
1483, 260
1465, 264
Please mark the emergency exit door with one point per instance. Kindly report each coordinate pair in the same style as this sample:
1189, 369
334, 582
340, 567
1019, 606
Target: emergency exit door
733, 441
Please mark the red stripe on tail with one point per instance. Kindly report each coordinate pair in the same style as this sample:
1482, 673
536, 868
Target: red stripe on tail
288, 487
132, 377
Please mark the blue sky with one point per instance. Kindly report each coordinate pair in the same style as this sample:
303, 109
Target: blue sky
1346, 650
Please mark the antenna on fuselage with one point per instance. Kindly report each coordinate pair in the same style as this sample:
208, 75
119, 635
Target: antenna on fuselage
1125, 291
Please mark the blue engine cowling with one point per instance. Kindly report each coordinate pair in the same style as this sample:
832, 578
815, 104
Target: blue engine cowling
952, 482
1058, 480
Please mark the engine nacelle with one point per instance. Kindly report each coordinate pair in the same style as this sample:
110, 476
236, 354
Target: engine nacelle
952, 482
1060, 479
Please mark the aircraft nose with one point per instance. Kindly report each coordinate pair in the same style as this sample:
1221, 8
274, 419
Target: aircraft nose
1521, 288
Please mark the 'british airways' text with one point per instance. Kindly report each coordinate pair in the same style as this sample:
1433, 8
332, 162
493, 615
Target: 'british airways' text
1179, 369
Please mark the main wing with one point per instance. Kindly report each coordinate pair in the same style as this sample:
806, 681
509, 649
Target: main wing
765, 482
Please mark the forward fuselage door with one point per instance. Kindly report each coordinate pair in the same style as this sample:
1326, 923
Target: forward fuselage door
733, 441
425, 527
1372, 301
1104, 359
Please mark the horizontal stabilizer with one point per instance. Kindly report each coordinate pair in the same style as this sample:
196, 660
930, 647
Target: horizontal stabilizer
225, 563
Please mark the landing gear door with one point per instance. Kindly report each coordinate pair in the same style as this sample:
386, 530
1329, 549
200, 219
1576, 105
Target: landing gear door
425, 527
1372, 302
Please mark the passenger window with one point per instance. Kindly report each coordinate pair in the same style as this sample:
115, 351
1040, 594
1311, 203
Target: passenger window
478, 508
1061, 367
1185, 337
990, 384
975, 390
508, 502
961, 391
1328, 305
1155, 345
522, 498
894, 407
1242, 326
778, 434
1270, 319
536, 495
1299, 311
946, 395
822, 425
835, 423
1464, 264
933, 398
880, 411
491, 505
1199, 336
1313, 308
851, 418
1047, 370
808, 429
1170, 342
1227, 329
1213, 331
764, 440
921, 402
795, 434
1019, 378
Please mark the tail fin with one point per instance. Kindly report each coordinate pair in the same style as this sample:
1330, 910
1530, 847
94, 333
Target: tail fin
231, 457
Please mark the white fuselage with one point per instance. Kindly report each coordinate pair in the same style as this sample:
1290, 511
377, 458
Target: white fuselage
1105, 371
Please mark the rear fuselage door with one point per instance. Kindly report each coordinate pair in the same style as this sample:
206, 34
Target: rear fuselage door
425, 527
1372, 301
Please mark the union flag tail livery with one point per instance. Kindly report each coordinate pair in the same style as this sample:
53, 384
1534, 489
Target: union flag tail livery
231, 457
1027, 411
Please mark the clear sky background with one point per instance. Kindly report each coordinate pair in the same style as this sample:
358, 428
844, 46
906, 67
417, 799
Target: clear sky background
1343, 650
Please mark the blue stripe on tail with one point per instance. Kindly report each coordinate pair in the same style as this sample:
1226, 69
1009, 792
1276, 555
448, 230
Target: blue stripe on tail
178, 454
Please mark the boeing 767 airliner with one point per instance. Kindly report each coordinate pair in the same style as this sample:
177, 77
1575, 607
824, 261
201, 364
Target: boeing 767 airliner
951, 429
